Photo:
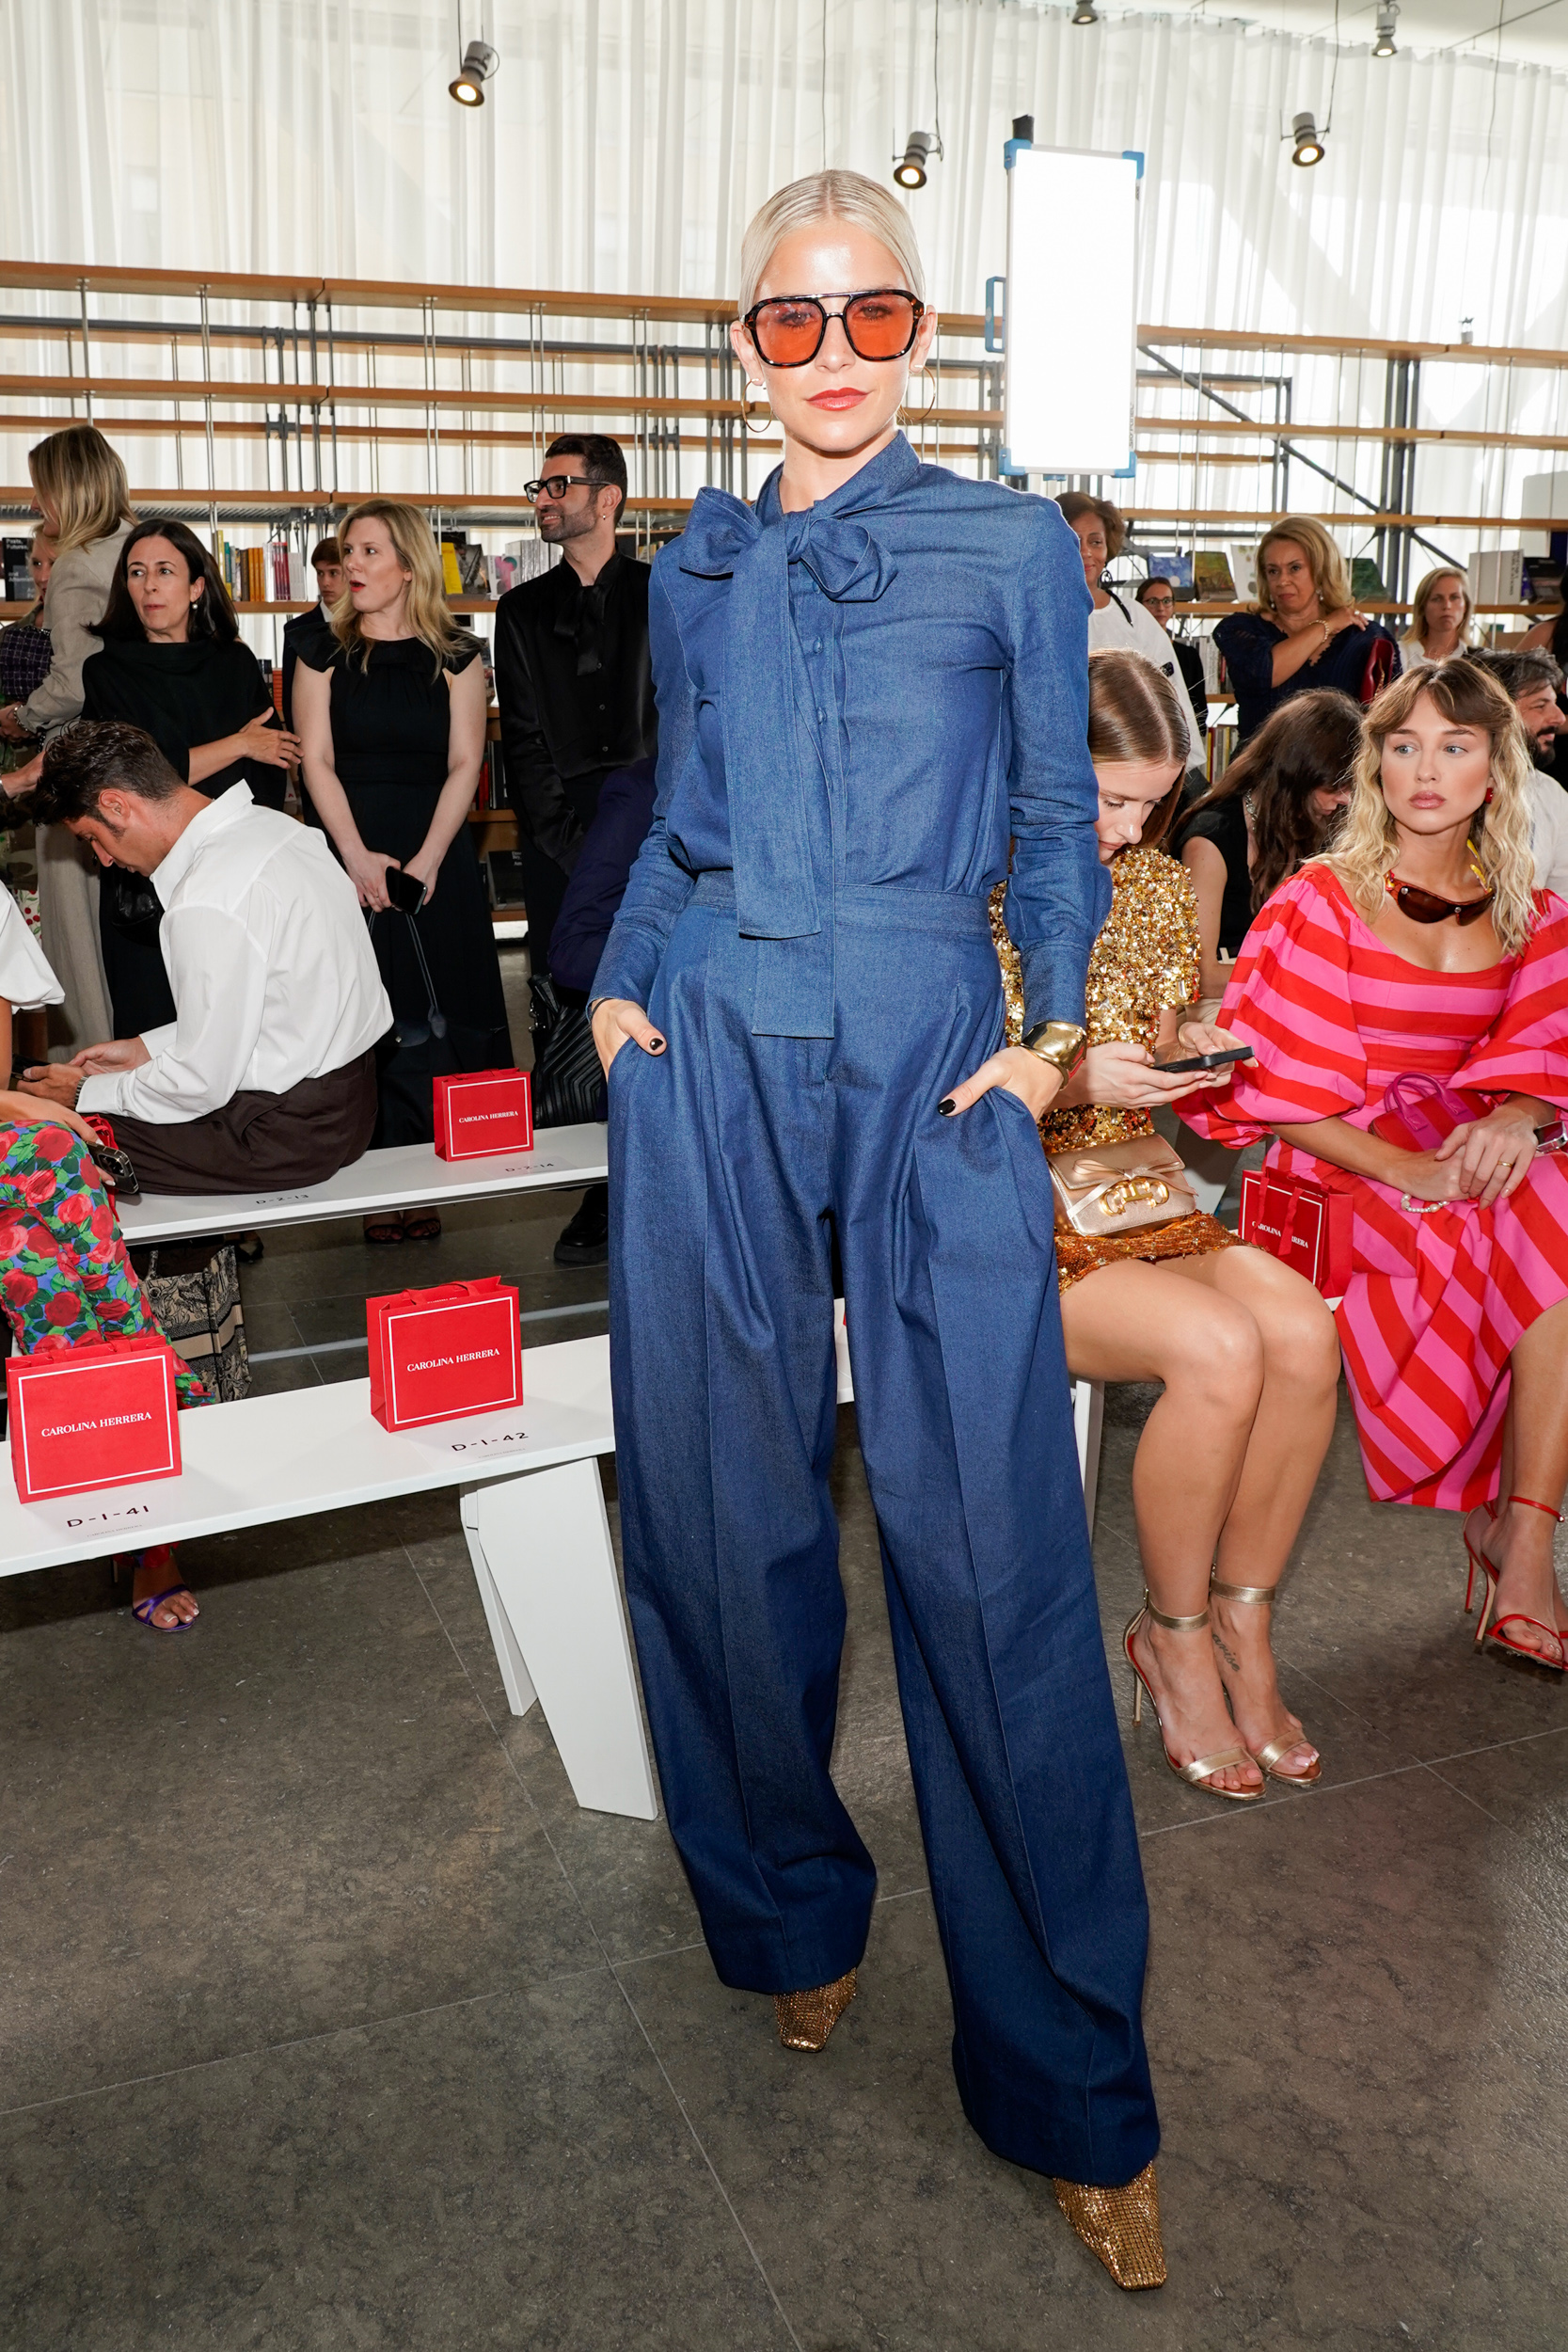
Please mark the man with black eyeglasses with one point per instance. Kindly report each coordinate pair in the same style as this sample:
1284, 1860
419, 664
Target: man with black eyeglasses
575, 685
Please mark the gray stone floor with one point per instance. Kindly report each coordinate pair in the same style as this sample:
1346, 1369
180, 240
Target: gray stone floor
329, 2021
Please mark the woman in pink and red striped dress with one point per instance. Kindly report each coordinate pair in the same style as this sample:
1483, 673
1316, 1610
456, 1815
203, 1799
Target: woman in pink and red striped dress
1419, 945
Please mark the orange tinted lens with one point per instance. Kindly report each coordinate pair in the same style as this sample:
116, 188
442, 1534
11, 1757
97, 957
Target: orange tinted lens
880, 324
787, 332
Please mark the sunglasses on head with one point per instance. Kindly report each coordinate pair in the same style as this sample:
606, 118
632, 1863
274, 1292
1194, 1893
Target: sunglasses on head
789, 329
1425, 906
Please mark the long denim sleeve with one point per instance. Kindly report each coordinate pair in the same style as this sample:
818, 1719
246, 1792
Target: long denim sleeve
1059, 895
659, 888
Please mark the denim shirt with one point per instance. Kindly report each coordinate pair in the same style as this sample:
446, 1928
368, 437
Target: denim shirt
882, 689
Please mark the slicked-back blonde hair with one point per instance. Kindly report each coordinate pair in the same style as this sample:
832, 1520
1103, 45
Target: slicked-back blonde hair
1329, 576
829, 196
1134, 720
1366, 846
429, 615
84, 480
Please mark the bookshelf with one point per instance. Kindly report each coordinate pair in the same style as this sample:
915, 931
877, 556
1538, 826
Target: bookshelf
267, 404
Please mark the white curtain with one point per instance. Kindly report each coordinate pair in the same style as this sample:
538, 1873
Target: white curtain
625, 142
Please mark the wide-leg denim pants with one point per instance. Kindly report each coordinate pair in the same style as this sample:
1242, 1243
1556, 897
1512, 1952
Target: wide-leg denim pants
730, 1153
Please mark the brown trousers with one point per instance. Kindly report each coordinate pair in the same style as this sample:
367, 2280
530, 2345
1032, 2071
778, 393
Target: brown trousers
259, 1142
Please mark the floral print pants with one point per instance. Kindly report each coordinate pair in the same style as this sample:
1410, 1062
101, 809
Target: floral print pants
65, 1275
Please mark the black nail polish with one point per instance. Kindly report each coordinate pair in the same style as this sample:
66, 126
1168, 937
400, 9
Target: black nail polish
947, 1107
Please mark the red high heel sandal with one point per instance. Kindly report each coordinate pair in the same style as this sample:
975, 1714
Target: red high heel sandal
1515, 1616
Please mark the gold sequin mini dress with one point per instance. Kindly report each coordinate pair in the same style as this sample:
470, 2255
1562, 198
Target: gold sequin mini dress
1144, 960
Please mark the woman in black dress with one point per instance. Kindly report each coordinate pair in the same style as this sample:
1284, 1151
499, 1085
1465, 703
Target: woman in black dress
391, 713
173, 663
1275, 807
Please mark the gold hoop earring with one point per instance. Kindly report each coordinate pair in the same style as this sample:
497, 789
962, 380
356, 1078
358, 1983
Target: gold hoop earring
746, 409
924, 415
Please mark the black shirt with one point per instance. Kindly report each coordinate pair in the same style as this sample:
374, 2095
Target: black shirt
1190, 662
1224, 825
575, 684
183, 697
299, 629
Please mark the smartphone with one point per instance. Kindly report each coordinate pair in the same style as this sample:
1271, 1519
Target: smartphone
405, 890
1208, 1061
117, 1165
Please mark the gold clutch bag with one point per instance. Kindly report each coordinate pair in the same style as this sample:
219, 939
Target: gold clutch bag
1108, 1188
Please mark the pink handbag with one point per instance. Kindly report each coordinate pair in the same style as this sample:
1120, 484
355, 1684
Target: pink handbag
1420, 1112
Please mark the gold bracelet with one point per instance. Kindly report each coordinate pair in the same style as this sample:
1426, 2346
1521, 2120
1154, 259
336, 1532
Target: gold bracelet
1062, 1043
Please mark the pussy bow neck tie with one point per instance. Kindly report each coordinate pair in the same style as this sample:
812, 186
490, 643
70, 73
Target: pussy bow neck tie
775, 887
841, 555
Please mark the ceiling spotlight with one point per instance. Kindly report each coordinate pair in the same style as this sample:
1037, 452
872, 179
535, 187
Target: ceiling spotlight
908, 169
479, 62
1308, 141
1384, 45
1085, 13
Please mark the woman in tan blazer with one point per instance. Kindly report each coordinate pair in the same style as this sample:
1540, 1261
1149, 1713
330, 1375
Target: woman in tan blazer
79, 487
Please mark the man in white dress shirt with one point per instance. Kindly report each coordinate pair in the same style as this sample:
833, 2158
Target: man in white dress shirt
265, 1077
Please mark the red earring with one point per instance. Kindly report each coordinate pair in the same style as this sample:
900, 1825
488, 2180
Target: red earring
1489, 792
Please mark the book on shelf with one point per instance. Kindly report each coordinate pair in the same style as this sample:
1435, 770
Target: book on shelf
19, 574
532, 557
472, 571
451, 577
1497, 576
1243, 566
1366, 584
1542, 580
506, 572
285, 574
1165, 564
1212, 579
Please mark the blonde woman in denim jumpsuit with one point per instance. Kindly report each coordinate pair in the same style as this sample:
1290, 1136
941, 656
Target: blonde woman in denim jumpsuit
868, 685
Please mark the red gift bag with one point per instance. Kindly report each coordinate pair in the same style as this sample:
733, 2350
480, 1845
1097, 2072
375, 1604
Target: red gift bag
484, 1112
1301, 1223
440, 1354
102, 1414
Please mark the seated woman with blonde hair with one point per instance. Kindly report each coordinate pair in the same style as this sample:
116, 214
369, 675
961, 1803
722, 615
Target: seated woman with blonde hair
1406, 999
1244, 1346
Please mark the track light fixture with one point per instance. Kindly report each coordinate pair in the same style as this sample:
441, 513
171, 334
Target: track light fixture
1085, 13
479, 62
908, 169
1384, 45
1309, 139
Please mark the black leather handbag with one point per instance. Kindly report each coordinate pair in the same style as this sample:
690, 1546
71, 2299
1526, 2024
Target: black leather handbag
568, 1080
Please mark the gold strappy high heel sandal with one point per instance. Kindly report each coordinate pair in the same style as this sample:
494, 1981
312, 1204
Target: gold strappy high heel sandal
1119, 2225
1267, 1757
806, 2019
1202, 1768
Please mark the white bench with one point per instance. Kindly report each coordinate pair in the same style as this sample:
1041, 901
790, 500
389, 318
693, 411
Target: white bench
405, 1176
532, 1510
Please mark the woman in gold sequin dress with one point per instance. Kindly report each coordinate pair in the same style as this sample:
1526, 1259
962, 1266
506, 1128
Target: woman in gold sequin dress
1245, 1348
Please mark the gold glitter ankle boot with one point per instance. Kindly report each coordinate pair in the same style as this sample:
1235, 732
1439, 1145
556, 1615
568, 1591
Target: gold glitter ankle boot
806, 2019
1120, 2225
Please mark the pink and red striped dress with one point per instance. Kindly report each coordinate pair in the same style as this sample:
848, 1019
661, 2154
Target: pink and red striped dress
1436, 1302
